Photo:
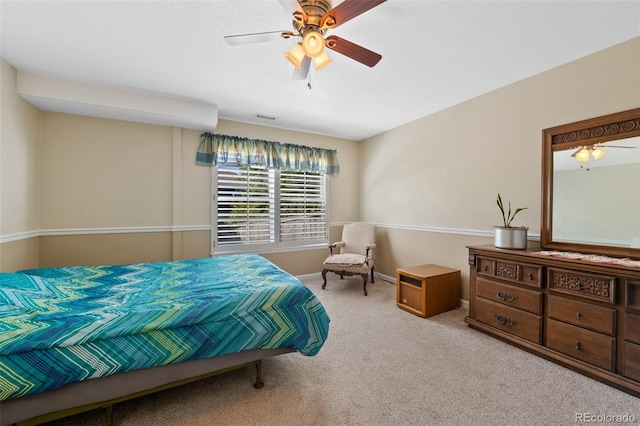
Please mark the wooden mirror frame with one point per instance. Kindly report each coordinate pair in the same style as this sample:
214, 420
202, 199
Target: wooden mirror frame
621, 125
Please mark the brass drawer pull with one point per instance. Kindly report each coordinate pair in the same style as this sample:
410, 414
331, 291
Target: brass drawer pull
505, 320
579, 285
578, 315
578, 346
530, 276
506, 297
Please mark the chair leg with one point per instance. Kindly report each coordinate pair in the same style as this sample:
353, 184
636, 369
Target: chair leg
364, 278
372, 275
324, 277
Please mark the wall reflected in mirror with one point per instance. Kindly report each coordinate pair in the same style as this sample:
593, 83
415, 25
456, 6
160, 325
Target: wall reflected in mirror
597, 201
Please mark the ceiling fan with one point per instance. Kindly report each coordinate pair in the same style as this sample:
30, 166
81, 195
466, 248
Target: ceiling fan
582, 153
311, 20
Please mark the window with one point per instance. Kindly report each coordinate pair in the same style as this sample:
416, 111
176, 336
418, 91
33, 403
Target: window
257, 210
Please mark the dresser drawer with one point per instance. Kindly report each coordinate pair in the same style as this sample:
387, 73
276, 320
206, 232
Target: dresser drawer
582, 314
631, 366
516, 272
514, 321
589, 286
585, 345
529, 300
632, 327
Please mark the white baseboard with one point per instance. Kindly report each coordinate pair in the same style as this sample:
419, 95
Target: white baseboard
464, 304
309, 276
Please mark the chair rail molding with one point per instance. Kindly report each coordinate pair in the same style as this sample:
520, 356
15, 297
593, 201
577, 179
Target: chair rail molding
185, 228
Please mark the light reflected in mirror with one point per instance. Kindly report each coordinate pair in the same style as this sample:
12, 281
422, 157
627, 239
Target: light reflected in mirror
597, 201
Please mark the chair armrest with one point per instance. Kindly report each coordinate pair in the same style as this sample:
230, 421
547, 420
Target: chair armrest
337, 244
369, 250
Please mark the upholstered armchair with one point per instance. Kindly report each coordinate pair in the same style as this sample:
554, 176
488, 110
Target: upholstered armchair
354, 255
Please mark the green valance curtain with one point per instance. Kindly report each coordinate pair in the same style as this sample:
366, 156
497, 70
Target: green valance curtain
217, 149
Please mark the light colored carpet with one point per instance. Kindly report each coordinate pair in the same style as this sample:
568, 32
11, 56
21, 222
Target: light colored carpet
384, 366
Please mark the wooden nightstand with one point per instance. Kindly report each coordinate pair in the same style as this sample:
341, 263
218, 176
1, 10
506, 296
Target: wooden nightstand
427, 290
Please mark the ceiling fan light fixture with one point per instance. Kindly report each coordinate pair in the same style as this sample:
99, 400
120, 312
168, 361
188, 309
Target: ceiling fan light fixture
313, 44
322, 61
582, 155
295, 55
597, 153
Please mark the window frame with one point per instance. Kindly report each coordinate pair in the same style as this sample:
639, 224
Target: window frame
276, 245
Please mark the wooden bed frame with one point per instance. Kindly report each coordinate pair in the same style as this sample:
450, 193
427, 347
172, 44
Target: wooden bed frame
103, 392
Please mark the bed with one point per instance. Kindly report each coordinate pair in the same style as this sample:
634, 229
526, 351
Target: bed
78, 338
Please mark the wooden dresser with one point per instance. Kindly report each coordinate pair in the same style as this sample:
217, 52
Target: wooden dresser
580, 314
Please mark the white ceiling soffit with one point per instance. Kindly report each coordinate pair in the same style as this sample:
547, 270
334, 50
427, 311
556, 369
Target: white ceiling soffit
76, 97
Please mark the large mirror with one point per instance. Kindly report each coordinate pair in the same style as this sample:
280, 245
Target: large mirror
591, 186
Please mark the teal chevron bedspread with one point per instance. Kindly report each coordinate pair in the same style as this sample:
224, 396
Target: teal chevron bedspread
62, 325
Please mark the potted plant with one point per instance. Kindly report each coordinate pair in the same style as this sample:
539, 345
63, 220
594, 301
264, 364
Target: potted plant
507, 236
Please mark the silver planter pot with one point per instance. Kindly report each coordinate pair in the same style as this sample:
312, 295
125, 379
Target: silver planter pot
510, 238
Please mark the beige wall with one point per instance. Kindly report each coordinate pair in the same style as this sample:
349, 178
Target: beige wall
19, 175
101, 249
19, 254
100, 173
439, 176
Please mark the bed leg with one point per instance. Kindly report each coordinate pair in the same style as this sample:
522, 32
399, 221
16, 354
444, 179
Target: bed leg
108, 415
259, 383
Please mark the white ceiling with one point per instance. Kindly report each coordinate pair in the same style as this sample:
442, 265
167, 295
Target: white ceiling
435, 54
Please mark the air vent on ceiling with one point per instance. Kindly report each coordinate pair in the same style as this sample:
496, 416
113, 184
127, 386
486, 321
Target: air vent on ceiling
266, 117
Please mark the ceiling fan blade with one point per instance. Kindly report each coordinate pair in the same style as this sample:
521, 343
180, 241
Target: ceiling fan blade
346, 11
353, 51
239, 39
301, 74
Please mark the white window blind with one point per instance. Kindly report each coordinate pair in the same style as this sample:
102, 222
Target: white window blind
303, 207
245, 207
266, 209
